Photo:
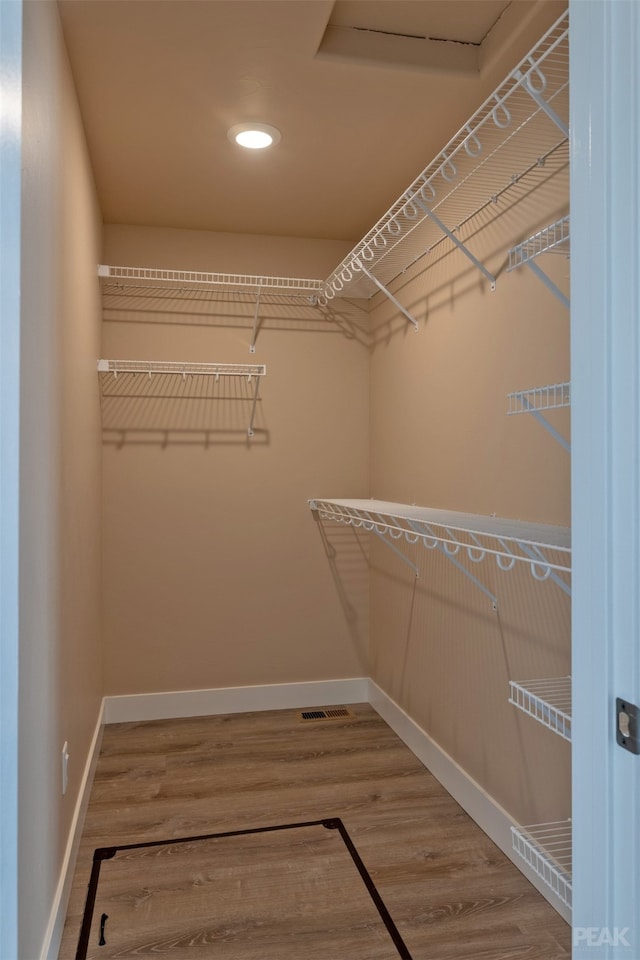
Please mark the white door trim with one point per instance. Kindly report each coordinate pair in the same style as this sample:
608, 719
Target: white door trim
605, 348
10, 154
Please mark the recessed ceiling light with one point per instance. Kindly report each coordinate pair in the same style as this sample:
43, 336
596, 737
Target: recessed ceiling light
254, 136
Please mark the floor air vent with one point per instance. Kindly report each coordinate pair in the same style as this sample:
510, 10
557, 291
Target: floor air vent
335, 713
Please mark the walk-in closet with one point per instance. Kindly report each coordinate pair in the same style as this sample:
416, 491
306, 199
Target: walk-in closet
297, 644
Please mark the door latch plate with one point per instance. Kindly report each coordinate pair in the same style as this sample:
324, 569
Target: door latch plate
628, 725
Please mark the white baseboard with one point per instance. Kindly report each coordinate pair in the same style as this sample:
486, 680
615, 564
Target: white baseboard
55, 927
204, 703
481, 807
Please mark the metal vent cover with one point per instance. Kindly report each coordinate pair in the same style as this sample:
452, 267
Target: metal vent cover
332, 713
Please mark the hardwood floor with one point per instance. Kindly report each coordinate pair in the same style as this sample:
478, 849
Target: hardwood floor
242, 897
451, 892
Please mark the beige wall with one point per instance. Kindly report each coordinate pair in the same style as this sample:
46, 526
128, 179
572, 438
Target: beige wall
215, 574
214, 571
60, 667
440, 437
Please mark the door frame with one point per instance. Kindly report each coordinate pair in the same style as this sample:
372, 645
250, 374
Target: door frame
605, 413
10, 197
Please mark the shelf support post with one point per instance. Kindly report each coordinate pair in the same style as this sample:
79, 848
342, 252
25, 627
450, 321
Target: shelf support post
548, 282
458, 243
253, 406
256, 320
386, 292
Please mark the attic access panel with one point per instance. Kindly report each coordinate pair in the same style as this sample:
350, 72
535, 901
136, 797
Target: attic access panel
269, 893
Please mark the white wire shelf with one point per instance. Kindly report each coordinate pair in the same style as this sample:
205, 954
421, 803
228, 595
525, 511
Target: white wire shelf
546, 549
137, 374
517, 130
552, 239
248, 370
122, 280
550, 397
547, 700
126, 285
546, 848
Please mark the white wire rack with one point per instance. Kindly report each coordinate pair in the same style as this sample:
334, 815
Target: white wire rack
518, 128
546, 549
546, 847
124, 279
540, 398
552, 239
144, 370
120, 284
217, 370
546, 700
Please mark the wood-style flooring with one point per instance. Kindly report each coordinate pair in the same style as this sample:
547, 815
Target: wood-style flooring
450, 891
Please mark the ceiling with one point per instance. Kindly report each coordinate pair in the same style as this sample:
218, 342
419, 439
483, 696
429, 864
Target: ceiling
364, 92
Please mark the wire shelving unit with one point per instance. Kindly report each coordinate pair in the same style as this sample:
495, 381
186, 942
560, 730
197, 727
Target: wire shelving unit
546, 700
125, 279
546, 848
138, 372
119, 282
521, 127
545, 548
552, 239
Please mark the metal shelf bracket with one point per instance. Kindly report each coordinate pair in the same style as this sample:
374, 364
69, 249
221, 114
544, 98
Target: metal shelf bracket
536, 94
458, 243
360, 266
549, 284
256, 324
398, 553
250, 431
542, 398
452, 559
542, 420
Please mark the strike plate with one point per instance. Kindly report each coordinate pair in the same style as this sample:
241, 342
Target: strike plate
628, 725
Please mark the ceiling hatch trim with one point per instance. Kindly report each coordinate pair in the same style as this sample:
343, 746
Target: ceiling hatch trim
373, 48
